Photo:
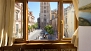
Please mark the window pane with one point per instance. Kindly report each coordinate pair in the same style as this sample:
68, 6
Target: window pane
17, 15
52, 16
42, 18
18, 21
68, 20
44, 11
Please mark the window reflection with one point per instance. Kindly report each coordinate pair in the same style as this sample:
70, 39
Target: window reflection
68, 20
18, 21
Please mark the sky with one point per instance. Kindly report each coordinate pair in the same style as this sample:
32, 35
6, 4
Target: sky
35, 8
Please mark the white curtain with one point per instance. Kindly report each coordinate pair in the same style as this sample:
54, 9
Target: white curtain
75, 35
6, 22
75, 3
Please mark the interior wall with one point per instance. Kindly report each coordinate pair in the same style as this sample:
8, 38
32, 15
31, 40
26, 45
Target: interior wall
84, 38
84, 30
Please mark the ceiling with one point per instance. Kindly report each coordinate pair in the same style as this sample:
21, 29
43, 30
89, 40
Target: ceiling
65, 1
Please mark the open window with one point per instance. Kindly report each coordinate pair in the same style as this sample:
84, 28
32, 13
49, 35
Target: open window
55, 19
70, 21
42, 25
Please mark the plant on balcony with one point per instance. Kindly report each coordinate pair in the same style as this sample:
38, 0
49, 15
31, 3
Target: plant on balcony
51, 32
49, 29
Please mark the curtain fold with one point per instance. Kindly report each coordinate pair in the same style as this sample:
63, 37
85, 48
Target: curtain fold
75, 3
2, 12
6, 22
75, 35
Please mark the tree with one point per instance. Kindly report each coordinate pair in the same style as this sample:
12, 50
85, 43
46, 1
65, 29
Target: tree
33, 26
49, 29
29, 27
36, 25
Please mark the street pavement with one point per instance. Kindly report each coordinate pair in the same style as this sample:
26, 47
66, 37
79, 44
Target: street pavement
33, 35
37, 35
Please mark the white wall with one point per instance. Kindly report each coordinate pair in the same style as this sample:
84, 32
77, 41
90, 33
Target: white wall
84, 38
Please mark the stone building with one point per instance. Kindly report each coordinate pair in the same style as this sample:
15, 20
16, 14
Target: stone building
53, 19
18, 20
44, 14
30, 18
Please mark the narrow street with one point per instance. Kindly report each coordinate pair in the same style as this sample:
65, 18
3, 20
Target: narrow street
33, 35
37, 35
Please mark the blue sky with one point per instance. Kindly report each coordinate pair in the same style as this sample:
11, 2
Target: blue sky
35, 8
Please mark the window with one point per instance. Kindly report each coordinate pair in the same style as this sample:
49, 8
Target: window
44, 11
17, 26
69, 21
52, 16
66, 20
46, 20
16, 15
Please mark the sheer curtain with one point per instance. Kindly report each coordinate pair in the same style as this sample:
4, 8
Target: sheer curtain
75, 35
6, 22
75, 3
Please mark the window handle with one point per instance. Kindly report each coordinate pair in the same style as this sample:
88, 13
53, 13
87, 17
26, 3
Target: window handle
62, 21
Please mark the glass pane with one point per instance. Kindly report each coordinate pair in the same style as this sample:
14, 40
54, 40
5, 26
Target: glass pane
69, 22
18, 21
42, 25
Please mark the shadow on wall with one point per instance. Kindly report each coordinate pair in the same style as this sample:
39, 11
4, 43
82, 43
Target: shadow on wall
84, 22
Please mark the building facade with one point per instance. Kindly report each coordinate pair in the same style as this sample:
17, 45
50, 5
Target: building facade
18, 20
53, 19
18, 23
44, 14
30, 18
69, 21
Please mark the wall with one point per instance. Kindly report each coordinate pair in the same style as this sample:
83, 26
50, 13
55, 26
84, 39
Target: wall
84, 26
84, 38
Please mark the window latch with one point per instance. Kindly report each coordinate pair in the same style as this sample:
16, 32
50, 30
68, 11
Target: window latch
62, 22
